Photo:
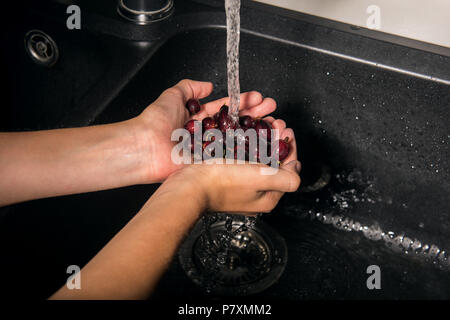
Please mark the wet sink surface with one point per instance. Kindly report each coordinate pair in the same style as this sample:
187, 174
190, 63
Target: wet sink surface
87, 70
346, 115
380, 136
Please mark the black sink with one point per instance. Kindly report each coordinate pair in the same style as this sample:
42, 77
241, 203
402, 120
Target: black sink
88, 71
370, 117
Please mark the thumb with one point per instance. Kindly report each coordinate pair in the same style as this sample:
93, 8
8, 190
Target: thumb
192, 89
286, 179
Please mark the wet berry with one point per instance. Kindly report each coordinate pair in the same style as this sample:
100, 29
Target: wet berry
241, 148
223, 111
246, 122
224, 120
191, 127
209, 123
281, 149
263, 129
193, 105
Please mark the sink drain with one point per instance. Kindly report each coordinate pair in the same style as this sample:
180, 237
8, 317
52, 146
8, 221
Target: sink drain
41, 48
254, 259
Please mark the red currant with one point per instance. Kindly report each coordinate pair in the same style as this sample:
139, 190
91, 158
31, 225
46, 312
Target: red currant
225, 122
193, 105
191, 127
209, 123
263, 129
246, 122
281, 149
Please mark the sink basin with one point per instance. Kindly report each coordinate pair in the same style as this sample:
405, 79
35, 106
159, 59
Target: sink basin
89, 69
371, 120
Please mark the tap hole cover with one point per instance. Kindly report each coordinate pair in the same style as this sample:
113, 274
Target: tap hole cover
41, 48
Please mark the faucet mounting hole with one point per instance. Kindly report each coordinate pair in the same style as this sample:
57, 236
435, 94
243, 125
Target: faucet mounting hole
41, 48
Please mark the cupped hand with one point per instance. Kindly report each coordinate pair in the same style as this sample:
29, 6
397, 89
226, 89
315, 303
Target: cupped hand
233, 188
238, 188
168, 113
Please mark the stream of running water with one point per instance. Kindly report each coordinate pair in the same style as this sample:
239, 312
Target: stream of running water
216, 249
232, 9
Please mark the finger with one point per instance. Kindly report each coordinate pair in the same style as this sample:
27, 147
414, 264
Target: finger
269, 119
267, 106
279, 124
248, 100
293, 166
284, 179
269, 201
191, 89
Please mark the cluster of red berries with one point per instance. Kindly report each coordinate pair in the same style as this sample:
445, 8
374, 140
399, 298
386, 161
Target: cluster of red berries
223, 122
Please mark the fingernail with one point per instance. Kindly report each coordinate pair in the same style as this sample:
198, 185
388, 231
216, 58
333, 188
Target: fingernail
298, 167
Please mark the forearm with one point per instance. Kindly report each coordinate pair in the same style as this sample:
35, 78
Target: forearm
131, 264
66, 161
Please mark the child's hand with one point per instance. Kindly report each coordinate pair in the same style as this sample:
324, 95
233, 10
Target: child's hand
233, 188
238, 188
168, 113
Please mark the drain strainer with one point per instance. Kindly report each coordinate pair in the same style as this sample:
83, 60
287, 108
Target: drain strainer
41, 48
251, 260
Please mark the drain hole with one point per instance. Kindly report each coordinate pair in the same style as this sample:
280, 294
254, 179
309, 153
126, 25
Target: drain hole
41, 48
255, 259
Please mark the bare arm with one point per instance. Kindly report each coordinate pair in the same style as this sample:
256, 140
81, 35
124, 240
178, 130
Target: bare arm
131, 264
57, 162
66, 161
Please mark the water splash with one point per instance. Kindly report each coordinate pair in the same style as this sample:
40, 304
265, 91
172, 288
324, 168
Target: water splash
360, 189
232, 9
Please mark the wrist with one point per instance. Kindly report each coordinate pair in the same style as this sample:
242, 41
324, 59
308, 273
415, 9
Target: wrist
141, 137
187, 188
176, 200
194, 198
